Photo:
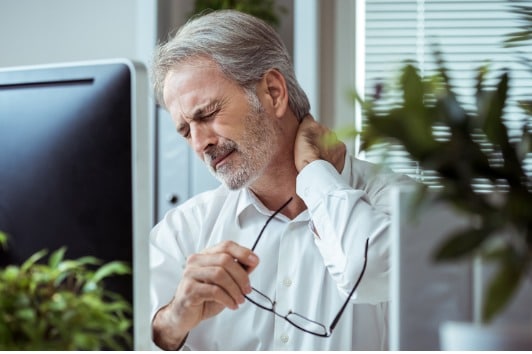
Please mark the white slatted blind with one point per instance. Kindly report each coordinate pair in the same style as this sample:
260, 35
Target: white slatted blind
467, 32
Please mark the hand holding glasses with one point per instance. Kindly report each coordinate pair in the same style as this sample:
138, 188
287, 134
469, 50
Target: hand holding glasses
299, 321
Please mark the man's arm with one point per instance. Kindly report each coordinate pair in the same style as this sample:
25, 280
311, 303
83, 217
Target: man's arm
342, 217
165, 330
212, 280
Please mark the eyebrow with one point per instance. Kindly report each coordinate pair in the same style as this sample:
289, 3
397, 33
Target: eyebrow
208, 107
200, 111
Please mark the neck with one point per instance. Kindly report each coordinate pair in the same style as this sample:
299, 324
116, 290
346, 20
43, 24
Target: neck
278, 181
275, 201
276, 186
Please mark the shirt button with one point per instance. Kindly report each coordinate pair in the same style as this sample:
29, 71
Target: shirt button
284, 338
287, 282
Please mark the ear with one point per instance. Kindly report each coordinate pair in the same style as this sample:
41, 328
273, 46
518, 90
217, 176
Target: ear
275, 91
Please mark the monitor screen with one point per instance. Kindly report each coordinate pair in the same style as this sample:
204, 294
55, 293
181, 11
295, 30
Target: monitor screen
74, 161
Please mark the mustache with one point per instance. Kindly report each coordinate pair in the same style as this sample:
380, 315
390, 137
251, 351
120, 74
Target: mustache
219, 150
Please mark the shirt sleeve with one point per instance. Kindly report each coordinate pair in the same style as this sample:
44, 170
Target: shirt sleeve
167, 261
342, 219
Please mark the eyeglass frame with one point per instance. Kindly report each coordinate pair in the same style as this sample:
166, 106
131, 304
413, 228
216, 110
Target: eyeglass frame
326, 332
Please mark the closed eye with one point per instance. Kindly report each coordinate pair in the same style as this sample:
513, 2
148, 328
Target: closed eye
209, 115
208, 112
202, 115
184, 131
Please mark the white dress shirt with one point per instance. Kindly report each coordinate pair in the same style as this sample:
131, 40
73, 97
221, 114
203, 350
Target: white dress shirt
307, 265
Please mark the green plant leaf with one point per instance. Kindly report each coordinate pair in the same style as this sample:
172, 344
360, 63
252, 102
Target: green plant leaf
460, 244
412, 87
526, 105
70, 265
89, 260
480, 80
41, 307
523, 36
501, 288
33, 259
111, 268
25, 314
56, 257
10, 274
492, 110
3, 240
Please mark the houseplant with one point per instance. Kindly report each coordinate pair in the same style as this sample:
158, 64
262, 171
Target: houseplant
479, 146
62, 304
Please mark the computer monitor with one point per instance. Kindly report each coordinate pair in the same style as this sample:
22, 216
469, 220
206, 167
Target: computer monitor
75, 169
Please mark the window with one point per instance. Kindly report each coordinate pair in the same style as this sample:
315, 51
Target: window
469, 33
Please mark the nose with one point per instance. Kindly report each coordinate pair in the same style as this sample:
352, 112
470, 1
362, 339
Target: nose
201, 137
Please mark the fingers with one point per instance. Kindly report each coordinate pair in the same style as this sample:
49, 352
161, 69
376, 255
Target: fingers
217, 274
212, 280
305, 149
315, 141
318, 135
241, 254
209, 284
222, 271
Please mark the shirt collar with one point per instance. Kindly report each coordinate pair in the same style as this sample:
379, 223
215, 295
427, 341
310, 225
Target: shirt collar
248, 202
247, 199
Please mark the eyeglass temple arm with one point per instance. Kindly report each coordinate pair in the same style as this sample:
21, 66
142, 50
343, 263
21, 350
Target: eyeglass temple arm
337, 318
268, 221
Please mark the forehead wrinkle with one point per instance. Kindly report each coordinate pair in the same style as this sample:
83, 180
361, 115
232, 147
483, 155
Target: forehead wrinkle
193, 103
196, 111
202, 109
196, 64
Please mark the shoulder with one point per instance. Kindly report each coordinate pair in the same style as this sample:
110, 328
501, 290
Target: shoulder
367, 173
203, 204
189, 225
377, 181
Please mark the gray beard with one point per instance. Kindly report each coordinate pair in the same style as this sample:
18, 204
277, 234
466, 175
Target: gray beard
255, 151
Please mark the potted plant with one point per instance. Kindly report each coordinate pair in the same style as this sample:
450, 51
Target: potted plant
62, 304
479, 146
263, 9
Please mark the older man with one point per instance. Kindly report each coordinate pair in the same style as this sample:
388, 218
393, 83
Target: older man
291, 251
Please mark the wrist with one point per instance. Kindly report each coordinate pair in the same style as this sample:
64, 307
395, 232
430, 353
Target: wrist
166, 331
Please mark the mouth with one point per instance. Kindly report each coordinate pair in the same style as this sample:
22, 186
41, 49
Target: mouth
217, 161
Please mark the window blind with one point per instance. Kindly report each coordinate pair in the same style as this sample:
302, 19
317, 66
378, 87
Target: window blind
468, 33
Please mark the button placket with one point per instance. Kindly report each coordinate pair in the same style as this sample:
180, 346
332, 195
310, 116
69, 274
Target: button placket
287, 282
284, 277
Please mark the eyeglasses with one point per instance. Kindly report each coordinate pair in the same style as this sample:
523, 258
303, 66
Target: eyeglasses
299, 321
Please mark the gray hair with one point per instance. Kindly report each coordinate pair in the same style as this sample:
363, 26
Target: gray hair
243, 46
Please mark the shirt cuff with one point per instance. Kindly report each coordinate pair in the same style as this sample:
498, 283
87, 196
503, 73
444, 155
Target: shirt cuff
318, 179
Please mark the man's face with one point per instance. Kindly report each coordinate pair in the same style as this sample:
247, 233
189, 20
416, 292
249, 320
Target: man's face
234, 138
